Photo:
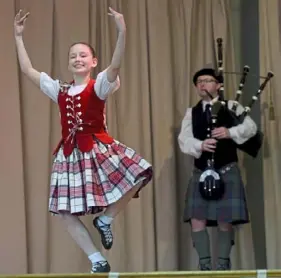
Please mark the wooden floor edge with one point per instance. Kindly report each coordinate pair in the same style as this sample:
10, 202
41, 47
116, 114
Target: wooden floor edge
260, 273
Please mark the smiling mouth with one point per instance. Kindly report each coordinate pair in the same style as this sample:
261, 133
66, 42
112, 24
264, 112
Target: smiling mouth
78, 66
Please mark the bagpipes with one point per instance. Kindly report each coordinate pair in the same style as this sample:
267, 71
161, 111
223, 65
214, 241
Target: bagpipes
211, 186
253, 145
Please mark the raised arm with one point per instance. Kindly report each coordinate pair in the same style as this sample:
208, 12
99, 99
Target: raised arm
114, 67
24, 61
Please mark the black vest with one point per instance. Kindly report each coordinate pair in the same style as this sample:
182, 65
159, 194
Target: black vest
226, 151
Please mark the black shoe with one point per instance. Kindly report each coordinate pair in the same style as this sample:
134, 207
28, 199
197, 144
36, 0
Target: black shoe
105, 233
224, 264
205, 264
205, 267
102, 266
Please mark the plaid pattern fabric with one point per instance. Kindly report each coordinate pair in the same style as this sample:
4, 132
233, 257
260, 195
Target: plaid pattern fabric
86, 183
232, 208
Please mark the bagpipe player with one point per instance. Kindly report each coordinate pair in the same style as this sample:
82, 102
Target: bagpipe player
199, 139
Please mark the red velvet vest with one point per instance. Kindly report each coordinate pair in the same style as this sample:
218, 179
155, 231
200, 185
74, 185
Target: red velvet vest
82, 120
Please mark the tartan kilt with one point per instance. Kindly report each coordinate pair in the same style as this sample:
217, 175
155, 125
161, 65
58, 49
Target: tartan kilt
232, 208
86, 183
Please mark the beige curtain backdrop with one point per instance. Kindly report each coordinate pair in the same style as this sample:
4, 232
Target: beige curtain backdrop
270, 59
168, 40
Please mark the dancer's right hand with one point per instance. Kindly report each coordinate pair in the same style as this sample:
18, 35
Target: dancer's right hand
209, 145
19, 23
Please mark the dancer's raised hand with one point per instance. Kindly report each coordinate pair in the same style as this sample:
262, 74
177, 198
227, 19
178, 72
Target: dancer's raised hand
19, 23
119, 20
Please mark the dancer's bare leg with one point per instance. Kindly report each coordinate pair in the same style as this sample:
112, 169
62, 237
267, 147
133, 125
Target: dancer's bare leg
103, 222
81, 236
114, 209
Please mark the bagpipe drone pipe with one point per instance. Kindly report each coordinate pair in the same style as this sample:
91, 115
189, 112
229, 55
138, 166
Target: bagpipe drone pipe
252, 145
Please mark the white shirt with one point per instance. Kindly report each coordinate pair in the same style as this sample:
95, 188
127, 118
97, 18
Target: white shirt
103, 87
239, 134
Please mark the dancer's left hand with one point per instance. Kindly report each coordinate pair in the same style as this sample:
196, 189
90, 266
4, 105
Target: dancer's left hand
220, 133
119, 20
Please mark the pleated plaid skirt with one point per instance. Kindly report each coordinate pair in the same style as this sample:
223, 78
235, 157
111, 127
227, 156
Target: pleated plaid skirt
86, 183
232, 208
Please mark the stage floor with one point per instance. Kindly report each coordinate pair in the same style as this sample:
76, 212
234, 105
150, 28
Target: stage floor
262, 273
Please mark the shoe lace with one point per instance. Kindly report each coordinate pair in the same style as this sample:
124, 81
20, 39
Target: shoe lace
106, 229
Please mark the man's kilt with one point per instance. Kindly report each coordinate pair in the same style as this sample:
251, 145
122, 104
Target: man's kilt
232, 208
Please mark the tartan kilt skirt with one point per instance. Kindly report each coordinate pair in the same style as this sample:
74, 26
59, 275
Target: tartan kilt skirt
232, 208
86, 183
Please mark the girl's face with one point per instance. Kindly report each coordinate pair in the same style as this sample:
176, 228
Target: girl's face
81, 60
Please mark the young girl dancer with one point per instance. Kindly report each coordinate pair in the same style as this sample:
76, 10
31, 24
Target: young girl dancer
92, 172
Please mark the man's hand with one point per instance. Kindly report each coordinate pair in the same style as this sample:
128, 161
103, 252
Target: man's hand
209, 145
220, 133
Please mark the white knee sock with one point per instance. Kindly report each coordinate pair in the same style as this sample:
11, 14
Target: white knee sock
105, 219
96, 257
